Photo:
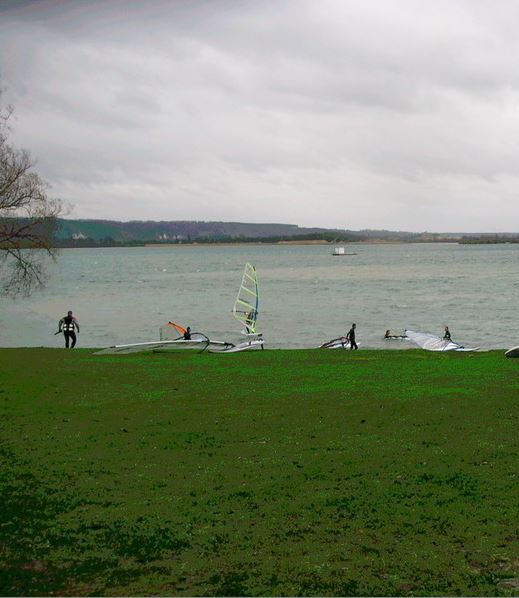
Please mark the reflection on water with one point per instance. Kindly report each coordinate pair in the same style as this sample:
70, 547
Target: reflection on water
306, 294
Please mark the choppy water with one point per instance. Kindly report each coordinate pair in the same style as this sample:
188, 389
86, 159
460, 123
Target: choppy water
306, 295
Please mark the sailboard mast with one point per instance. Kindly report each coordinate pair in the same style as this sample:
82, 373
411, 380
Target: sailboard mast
246, 306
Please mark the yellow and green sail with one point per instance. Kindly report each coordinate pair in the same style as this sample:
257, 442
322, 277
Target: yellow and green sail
246, 306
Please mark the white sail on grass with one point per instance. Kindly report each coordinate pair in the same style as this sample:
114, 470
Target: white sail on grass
171, 338
430, 342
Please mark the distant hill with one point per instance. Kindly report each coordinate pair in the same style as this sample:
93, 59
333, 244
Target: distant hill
175, 231
87, 233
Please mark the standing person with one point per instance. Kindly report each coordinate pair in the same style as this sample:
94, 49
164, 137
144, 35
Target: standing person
351, 337
447, 335
187, 334
68, 325
249, 321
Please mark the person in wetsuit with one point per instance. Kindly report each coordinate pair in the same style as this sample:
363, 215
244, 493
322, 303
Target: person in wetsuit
187, 334
249, 321
351, 337
447, 335
68, 325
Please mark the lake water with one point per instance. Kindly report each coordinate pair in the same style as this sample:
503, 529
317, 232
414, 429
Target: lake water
307, 295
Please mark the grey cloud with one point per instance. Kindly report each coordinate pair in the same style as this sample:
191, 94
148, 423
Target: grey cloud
335, 113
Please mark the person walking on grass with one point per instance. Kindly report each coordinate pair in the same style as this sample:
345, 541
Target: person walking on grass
68, 325
351, 337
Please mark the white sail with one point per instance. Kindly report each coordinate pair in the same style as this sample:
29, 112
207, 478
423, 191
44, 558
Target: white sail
152, 346
171, 338
245, 310
430, 342
246, 306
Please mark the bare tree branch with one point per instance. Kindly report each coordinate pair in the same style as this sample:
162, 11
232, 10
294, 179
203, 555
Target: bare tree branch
28, 218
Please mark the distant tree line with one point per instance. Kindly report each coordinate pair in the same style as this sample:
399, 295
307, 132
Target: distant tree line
110, 242
329, 237
489, 239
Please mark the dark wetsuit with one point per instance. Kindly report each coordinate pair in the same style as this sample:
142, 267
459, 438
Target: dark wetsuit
249, 322
187, 336
351, 337
68, 325
447, 335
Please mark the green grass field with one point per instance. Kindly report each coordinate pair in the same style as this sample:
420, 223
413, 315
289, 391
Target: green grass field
272, 473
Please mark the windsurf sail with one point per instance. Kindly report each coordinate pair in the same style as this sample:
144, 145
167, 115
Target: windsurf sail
246, 306
171, 338
245, 310
153, 346
430, 342
171, 331
340, 342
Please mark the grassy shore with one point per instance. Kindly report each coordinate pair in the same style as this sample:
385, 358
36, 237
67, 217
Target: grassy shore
273, 473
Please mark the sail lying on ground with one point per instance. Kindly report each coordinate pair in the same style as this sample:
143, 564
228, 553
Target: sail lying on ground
171, 338
340, 342
246, 306
430, 342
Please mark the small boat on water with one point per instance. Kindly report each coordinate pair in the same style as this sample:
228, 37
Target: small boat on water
341, 251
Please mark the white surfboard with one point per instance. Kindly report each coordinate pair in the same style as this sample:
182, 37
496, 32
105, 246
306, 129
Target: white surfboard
240, 347
152, 346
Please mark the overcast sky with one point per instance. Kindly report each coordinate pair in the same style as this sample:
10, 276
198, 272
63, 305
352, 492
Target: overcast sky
398, 114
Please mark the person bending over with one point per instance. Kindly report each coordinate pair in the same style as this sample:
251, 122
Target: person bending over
187, 334
351, 337
68, 325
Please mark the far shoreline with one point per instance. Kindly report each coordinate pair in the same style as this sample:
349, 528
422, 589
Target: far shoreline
289, 243
316, 242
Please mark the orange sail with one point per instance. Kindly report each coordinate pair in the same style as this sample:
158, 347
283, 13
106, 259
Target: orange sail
178, 328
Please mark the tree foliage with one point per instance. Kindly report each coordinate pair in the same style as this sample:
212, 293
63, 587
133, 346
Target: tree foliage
28, 217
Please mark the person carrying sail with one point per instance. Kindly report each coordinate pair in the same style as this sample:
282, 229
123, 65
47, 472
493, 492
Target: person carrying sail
351, 337
68, 325
187, 334
447, 334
